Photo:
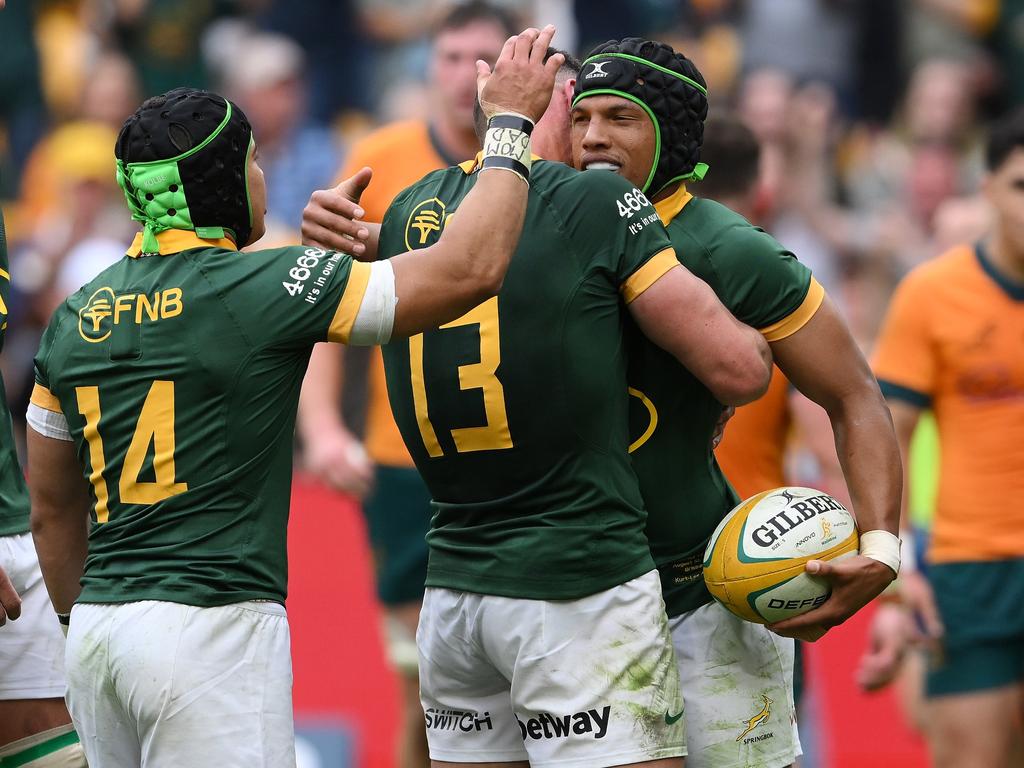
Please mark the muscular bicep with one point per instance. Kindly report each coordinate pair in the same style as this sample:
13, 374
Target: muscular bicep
681, 314
822, 359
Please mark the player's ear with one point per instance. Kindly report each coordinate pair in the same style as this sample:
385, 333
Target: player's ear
567, 91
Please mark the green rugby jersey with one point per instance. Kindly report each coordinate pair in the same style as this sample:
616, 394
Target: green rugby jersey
179, 376
673, 415
516, 413
13, 493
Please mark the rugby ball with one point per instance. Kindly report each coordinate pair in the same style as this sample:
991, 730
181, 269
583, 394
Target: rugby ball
754, 563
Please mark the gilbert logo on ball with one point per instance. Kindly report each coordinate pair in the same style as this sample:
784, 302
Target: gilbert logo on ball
754, 563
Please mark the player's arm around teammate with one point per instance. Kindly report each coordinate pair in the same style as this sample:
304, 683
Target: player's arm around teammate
681, 314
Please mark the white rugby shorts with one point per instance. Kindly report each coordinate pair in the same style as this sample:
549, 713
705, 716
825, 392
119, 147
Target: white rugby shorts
582, 683
165, 685
737, 684
32, 647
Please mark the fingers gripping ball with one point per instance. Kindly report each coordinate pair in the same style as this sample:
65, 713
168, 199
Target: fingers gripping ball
754, 563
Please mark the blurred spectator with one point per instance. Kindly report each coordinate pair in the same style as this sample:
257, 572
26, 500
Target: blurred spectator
85, 228
110, 94
806, 39
265, 76
897, 179
87, 205
338, 54
401, 48
797, 131
163, 37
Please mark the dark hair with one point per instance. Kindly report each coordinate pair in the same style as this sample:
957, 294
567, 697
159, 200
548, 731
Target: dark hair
464, 14
733, 155
1006, 135
572, 65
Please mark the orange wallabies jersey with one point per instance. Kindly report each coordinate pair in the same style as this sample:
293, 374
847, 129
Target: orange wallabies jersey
400, 155
954, 340
753, 448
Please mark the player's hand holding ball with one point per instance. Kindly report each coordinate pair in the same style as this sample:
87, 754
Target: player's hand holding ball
789, 558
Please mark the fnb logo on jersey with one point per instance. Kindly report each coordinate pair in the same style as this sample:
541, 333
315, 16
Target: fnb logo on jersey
105, 309
456, 720
427, 218
547, 726
791, 517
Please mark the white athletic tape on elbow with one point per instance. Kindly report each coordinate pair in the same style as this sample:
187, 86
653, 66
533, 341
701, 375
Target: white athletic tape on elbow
376, 316
881, 546
48, 423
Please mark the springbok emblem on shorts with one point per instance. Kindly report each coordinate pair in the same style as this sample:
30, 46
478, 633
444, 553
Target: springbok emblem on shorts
759, 718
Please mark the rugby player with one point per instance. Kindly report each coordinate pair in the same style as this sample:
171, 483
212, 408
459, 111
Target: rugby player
638, 109
35, 727
165, 403
396, 503
543, 636
952, 342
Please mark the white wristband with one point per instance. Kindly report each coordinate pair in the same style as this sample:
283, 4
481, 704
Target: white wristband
507, 144
881, 546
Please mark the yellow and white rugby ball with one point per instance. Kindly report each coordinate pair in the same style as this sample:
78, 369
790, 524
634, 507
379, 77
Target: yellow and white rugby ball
754, 563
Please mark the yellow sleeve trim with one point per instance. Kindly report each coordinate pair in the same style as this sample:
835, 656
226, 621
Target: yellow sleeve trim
348, 307
5, 274
799, 317
649, 274
42, 397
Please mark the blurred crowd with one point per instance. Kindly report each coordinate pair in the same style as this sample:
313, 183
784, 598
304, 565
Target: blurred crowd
869, 112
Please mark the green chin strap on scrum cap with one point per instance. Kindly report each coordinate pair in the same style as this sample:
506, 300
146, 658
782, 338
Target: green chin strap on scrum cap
182, 163
668, 87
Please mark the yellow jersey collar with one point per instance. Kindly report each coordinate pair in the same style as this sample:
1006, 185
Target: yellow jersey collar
177, 240
670, 207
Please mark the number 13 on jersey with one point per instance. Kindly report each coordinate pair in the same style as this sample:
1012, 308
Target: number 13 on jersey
493, 435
